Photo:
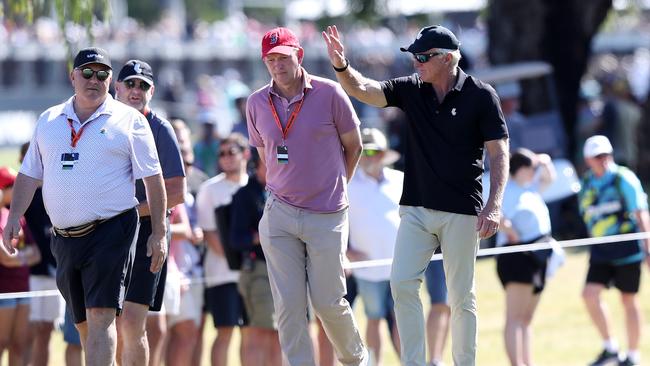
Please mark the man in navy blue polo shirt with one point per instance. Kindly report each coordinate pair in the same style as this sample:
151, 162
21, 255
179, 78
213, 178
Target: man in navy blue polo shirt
452, 118
135, 87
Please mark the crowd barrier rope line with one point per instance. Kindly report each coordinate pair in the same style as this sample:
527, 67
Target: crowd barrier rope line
388, 261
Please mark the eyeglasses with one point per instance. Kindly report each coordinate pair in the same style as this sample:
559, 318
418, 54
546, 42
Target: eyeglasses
370, 152
130, 84
425, 57
88, 73
230, 152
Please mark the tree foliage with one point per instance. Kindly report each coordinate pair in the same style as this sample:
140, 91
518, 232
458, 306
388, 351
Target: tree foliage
78, 11
83, 12
557, 31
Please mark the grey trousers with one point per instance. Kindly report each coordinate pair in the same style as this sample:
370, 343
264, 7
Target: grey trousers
420, 232
304, 255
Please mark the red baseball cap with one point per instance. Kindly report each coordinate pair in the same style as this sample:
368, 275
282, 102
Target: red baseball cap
279, 40
7, 177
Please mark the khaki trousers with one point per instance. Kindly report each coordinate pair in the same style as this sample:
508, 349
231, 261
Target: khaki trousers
421, 231
304, 253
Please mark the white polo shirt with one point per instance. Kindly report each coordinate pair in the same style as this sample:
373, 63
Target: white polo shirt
116, 147
374, 219
215, 192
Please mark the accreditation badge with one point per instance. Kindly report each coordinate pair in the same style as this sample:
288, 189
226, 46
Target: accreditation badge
283, 155
68, 160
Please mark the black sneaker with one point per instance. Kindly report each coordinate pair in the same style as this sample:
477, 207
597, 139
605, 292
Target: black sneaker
605, 358
627, 362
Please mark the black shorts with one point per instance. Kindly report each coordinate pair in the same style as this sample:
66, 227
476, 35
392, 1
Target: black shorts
521, 268
146, 288
225, 305
626, 277
93, 270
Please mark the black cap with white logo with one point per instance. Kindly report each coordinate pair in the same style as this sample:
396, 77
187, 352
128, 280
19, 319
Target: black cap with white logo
92, 55
435, 36
136, 69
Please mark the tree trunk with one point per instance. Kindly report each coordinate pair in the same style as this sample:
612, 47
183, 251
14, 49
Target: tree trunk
557, 31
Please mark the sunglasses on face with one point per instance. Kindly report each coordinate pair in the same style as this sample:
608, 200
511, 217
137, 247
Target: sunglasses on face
230, 152
88, 73
130, 84
370, 152
425, 57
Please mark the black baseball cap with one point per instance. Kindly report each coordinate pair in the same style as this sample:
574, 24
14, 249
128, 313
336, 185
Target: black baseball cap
434, 36
92, 55
136, 69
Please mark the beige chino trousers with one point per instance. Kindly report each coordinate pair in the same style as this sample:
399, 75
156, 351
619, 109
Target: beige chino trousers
420, 232
304, 255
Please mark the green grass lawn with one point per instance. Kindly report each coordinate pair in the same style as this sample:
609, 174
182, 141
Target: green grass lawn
563, 335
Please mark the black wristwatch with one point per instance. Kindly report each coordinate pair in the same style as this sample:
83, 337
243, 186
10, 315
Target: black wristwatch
341, 69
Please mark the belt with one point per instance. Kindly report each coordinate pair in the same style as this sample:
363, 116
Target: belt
84, 229
78, 231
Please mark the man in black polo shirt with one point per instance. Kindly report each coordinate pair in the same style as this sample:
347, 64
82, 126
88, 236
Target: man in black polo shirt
452, 117
135, 87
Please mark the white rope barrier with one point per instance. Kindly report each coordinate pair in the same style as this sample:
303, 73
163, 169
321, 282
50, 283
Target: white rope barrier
389, 261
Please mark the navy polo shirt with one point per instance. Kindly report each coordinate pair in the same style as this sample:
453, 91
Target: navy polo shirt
39, 225
168, 152
444, 154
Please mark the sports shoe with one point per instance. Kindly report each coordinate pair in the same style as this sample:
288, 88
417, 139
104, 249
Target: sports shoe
627, 362
605, 358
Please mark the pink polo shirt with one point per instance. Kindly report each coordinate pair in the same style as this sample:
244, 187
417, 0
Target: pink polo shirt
315, 177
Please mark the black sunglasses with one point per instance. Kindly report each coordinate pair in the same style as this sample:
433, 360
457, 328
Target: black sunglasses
88, 73
230, 152
130, 84
425, 57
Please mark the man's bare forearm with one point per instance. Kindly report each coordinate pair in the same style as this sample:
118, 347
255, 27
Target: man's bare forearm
174, 191
499, 165
157, 201
360, 87
23, 193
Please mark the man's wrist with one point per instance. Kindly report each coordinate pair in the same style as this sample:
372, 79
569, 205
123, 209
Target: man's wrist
345, 67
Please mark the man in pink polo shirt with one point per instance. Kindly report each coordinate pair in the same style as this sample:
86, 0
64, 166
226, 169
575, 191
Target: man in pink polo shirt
307, 133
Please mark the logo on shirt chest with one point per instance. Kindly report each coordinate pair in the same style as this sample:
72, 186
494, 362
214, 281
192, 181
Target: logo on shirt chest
453, 111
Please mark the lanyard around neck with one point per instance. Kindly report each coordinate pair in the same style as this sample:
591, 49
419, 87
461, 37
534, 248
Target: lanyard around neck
75, 136
292, 117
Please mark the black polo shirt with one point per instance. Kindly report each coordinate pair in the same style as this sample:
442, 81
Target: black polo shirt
444, 154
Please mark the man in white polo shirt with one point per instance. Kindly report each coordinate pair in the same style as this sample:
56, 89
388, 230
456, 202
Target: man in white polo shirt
374, 194
87, 153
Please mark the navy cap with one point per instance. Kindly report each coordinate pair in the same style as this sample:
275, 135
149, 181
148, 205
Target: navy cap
92, 55
435, 36
136, 69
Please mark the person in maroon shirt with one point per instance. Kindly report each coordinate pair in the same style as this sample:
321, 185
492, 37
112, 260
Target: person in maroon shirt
14, 277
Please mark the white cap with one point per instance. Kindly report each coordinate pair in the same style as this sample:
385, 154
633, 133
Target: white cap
596, 145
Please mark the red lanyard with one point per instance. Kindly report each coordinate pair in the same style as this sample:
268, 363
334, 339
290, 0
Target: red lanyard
292, 117
75, 135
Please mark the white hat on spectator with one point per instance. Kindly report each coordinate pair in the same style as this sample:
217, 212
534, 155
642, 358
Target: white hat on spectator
597, 145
